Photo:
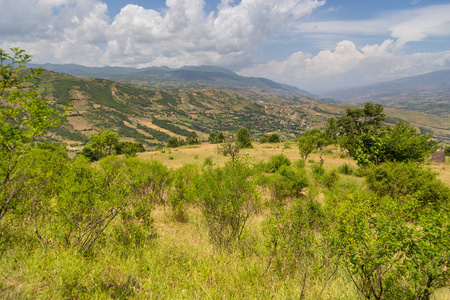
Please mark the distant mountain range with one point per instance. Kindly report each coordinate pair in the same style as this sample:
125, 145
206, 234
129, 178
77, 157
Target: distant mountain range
427, 93
183, 78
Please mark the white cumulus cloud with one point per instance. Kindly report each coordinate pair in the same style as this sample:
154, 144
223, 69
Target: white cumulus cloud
80, 31
185, 34
348, 66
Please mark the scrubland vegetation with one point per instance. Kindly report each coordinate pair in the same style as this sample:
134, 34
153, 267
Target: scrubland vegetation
366, 219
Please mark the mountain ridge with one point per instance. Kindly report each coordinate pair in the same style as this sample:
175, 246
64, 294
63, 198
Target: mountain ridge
184, 77
428, 92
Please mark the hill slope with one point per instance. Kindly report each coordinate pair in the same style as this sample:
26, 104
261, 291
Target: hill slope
427, 93
182, 78
152, 116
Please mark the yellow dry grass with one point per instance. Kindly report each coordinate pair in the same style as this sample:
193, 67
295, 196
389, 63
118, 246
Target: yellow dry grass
177, 157
333, 157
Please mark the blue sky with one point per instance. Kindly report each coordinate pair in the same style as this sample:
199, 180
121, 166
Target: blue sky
313, 44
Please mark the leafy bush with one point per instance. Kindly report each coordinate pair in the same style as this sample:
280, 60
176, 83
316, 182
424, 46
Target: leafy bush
299, 164
399, 180
401, 143
447, 150
285, 182
228, 199
216, 138
182, 190
263, 139
388, 250
273, 138
173, 142
318, 170
293, 240
129, 148
276, 161
345, 169
330, 178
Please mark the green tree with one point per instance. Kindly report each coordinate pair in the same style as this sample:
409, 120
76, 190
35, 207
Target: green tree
274, 138
229, 147
104, 141
401, 143
24, 116
407, 180
392, 248
243, 138
192, 139
313, 140
331, 129
216, 138
355, 122
447, 151
173, 142
128, 148
306, 146
263, 139
212, 137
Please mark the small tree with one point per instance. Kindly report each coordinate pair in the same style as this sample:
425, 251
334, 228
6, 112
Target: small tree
104, 141
228, 199
313, 140
229, 147
243, 138
367, 120
274, 138
129, 149
192, 139
306, 146
401, 143
263, 139
173, 142
24, 116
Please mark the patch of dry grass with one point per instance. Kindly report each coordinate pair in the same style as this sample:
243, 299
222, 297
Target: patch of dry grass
333, 157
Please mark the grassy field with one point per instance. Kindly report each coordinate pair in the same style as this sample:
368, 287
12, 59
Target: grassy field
181, 263
333, 156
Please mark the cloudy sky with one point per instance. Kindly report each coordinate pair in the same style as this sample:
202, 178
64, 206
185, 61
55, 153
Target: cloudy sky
312, 44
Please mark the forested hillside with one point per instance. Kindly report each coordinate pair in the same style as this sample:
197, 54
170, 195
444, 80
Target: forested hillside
151, 116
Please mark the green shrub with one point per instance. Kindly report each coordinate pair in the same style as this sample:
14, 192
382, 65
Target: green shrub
293, 241
399, 180
388, 250
274, 138
330, 178
276, 161
182, 190
263, 139
345, 169
208, 162
286, 182
228, 199
317, 170
447, 150
243, 138
299, 164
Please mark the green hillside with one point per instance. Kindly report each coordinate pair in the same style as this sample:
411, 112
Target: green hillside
151, 116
